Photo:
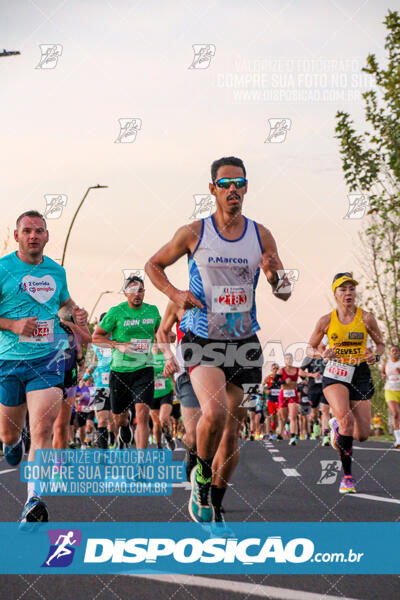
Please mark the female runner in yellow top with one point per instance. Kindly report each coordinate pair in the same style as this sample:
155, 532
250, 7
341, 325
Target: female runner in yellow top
347, 381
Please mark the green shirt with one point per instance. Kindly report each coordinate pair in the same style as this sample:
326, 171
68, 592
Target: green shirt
136, 325
162, 385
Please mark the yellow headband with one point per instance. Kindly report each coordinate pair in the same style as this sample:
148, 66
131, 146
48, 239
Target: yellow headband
338, 282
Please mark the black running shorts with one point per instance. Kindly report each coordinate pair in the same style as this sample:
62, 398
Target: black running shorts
361, 386
130, 388
241, 360
157, 402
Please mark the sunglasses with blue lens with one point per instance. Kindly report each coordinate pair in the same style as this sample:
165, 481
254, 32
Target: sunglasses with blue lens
226, 182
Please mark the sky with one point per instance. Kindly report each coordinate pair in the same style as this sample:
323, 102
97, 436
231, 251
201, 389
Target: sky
292, 63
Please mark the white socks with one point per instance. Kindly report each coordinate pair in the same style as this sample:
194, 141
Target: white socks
31, 489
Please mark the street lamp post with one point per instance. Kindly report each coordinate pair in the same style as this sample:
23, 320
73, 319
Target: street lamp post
93, 187
96, 303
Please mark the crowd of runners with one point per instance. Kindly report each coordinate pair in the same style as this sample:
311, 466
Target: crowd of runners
192, 375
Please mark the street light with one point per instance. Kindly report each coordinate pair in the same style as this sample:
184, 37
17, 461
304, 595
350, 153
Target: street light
96, 303
93, 187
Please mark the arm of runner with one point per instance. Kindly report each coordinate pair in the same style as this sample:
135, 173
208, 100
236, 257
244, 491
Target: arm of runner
304, 373
80, 314
24, 326
170, 317
183, 242
101, 337
81, 331
271, 264
313, 349
376, 335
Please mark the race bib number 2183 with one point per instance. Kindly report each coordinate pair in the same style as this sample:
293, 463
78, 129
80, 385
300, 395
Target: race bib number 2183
233, 298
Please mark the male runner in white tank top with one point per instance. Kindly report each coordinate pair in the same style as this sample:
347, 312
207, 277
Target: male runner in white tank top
221, 350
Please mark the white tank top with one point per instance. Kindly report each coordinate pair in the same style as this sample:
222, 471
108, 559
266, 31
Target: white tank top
392, 377
223, 276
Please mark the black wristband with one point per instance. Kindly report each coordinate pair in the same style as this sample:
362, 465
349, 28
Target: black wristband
377, 357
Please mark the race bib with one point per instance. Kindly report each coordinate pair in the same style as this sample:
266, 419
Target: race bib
159, 384
275, 392
229, 299
42, 334
338, 371
105, 378
289, 393
141, 346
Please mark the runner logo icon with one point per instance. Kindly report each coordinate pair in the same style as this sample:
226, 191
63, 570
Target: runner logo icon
62, 547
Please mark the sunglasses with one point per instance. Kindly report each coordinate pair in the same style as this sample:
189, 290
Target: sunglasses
226, 182
339, 275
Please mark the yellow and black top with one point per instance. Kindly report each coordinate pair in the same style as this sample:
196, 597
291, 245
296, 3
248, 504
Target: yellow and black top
350, 340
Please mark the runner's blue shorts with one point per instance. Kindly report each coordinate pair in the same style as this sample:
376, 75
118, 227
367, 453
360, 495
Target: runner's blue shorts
20, 376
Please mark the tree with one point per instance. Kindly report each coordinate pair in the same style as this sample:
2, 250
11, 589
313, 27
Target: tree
371, 164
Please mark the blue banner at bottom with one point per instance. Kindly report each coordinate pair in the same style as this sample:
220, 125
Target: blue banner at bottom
240, 548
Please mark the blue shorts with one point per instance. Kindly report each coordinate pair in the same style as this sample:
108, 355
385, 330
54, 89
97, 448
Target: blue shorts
185, 392
20, 376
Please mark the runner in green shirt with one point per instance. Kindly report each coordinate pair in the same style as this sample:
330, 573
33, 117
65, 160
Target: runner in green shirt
161, 406
129, 328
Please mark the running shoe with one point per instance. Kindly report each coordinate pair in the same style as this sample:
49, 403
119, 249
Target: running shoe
200, 508
292, 441
313, 436
317, 430
347, 485
334, 427
326, 441
273, 437
190, 461
396, 445
14, 454
219, 527
279, 438
35, 510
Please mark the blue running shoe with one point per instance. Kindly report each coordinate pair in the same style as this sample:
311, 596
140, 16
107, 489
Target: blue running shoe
35, 511
219, 527
14, 454
200, 508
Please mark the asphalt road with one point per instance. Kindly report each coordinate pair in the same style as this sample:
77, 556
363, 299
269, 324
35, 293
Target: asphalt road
273, 482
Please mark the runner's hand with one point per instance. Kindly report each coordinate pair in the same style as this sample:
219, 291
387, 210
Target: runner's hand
125, 347
329, 353
24, 326
171, 367
370, 357
80, 315
186, 300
